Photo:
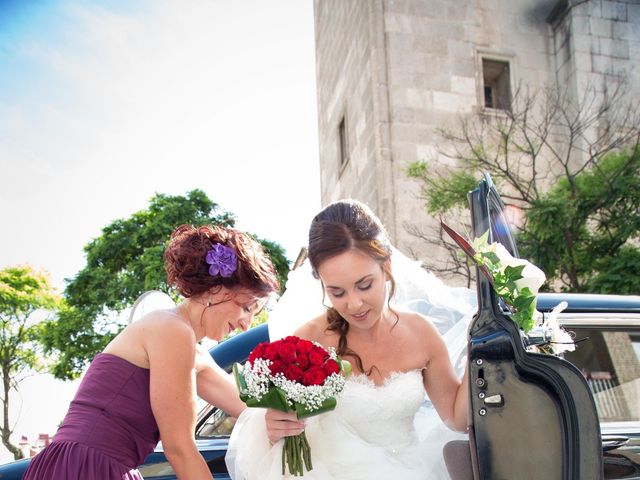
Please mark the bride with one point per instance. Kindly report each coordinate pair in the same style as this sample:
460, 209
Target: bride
405, 399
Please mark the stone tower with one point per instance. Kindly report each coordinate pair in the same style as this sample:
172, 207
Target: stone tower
389, 72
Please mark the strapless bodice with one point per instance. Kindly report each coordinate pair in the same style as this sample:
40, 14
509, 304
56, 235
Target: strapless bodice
383, 414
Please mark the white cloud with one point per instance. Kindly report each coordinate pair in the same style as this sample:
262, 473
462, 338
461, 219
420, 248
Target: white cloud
108, 107
199, 94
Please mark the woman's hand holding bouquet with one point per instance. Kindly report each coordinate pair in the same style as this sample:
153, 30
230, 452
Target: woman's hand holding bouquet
292, 374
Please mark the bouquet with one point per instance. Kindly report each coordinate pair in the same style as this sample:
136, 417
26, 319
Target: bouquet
517, 282
292, 374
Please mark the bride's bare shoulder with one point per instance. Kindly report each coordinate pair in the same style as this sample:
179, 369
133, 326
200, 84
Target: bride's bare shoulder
315, 329
419, 324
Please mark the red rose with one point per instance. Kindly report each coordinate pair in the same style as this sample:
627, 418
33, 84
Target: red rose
321, 351
287, 352
293, 373
291, 339
331, 367
316, 358
276, 367
304, 346
257, 352
302, 360
271, 352
314, 376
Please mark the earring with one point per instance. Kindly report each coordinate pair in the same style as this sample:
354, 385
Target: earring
209, 302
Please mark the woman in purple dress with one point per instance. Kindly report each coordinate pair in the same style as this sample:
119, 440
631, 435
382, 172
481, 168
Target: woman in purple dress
143, 386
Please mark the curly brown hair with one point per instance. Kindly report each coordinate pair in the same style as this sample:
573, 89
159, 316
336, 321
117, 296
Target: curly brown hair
188, 272
339, 227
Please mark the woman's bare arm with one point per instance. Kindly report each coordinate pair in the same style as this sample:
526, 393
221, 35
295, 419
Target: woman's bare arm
215, 386
170, 346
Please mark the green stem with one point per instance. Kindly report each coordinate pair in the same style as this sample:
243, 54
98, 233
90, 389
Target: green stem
296, 453
296, 456
306, 449
284, 456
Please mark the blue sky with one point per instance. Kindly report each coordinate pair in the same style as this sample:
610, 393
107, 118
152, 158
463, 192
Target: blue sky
105, 103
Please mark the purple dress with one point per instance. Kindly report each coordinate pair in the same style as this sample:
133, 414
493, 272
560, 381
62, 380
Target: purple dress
109, 429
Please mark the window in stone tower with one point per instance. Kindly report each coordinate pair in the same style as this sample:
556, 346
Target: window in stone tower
496, 84
343, 148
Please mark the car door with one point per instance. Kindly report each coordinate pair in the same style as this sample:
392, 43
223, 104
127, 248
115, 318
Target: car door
609, 358
532, 415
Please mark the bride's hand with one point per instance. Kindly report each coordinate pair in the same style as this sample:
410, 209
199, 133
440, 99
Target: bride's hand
282, 424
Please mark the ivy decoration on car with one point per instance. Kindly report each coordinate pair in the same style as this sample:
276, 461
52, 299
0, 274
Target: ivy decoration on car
517, 281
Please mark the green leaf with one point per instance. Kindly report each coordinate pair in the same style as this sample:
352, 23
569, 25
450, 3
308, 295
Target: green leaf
326, 406
345, 367
491, 257
523, 302
274, 398
514, 273
241, 383
481, 242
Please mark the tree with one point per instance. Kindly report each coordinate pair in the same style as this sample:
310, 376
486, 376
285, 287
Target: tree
586, 231
569, 167
23, 292
122, 263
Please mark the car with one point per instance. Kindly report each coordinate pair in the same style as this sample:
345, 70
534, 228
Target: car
607, 329
608, 321
608, 357
604, 369
536, 415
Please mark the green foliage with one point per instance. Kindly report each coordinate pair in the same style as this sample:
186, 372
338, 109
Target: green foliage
122, 263
521, 299
445, 193
586, 230
619, 274
566, 164
24, 293
279, 259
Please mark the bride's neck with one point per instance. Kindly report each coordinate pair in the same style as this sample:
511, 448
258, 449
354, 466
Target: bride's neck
378, 332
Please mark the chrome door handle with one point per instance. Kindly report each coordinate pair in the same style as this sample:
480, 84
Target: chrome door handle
609, 442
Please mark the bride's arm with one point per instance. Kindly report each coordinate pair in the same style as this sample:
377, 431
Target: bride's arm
447, 392
461, 407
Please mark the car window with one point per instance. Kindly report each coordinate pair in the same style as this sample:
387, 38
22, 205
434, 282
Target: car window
609, 360
215, 424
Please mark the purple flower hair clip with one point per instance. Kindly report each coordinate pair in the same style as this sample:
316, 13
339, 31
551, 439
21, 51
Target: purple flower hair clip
222, 260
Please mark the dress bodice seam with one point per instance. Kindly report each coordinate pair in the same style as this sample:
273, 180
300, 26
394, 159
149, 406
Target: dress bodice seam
362, 379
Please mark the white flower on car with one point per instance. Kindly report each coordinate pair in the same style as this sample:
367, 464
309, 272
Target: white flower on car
532, 276
560, 340
517, 282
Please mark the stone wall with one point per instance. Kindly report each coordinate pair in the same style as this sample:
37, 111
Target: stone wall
400, 69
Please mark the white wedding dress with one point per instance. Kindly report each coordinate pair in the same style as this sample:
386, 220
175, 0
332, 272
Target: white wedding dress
376, 432
387, 431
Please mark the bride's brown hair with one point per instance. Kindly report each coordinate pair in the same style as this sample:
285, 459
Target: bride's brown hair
341, 226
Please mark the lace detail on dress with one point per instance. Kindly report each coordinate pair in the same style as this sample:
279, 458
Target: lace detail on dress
383, 414
361, 378
374, 433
